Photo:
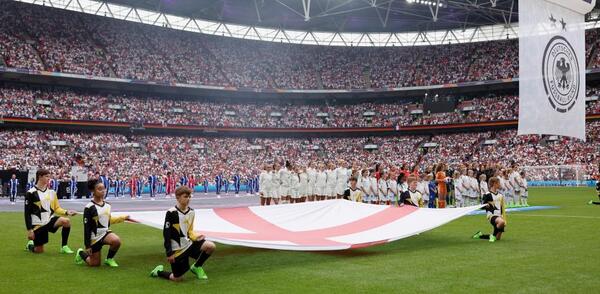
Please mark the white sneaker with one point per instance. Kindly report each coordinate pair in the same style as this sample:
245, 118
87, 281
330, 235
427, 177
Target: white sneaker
12, 203
152, 199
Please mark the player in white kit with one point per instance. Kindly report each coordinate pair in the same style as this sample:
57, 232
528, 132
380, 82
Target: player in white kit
285, 177
464, 178
342, 176
383, 188
509, 192
459, 189
303, 190
264, 185
331, 181
515, 181
365, 185
321, 183
502, 182
524, 192
374, 187
474, 195
312, 179
275, 184
483, 186
294, 185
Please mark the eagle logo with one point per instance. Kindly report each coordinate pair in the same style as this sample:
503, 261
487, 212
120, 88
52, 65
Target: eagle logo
561, 74
563, 67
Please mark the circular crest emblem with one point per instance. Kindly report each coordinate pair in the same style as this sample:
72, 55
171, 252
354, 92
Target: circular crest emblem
560, 72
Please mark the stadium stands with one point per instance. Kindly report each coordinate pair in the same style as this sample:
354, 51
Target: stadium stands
41, 38
27, 102
114, 154
65, 41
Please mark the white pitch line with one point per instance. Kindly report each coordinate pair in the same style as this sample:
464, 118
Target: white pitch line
557, 215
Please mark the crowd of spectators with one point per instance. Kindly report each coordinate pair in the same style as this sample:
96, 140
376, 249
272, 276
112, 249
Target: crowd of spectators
15, 48
125, 156
71, 104
38, 37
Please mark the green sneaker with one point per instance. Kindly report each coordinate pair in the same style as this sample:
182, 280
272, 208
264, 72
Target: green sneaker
492, 238
66, 250
29, 244
78, 259
154, 272
199, 272
111, 262
477, 235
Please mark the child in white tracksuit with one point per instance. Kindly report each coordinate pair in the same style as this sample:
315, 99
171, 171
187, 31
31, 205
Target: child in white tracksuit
459, 189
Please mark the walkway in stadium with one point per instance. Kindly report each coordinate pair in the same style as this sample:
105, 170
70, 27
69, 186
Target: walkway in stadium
145, 204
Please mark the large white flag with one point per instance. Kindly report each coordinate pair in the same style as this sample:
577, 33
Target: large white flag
311, 226
552, 67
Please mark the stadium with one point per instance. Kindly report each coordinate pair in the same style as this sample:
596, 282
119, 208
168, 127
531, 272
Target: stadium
320, 145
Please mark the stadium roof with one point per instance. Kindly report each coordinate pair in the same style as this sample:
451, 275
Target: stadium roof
342, 15
323, 22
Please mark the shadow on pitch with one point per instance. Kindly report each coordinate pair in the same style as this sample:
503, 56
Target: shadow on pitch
411, 245
231, 260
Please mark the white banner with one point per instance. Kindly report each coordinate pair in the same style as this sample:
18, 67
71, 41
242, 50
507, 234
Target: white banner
552, 67
580, 6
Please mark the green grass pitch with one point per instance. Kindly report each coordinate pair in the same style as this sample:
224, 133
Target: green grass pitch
549, 251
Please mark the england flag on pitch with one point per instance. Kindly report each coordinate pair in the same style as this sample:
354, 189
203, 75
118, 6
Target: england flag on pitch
552, 67
322, 225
